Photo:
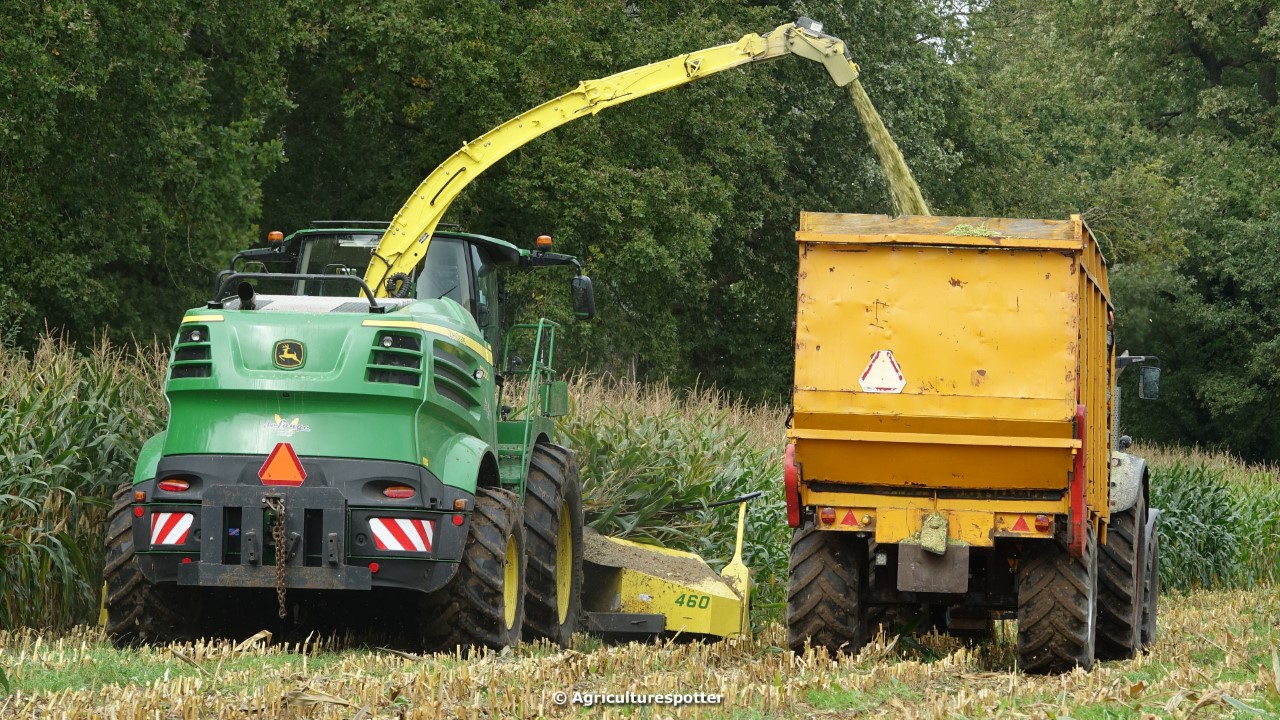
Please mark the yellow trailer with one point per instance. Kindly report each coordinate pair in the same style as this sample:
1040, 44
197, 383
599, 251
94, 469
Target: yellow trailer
951, 446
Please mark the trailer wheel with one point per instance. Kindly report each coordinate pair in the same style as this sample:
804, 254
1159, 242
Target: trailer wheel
1057, 606
483, 605
138, 611
1150, 591
826, 583
553, 529
1119, 590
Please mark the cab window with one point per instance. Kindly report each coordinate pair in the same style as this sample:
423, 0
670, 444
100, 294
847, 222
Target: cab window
339, 254
447, 274
486, 296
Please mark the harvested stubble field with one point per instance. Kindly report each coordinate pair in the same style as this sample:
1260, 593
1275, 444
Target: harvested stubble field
1215, 657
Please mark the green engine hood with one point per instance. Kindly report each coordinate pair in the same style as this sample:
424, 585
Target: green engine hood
330, 378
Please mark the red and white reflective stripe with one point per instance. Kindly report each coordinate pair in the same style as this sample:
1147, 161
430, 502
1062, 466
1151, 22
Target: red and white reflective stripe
169, 528
402, 534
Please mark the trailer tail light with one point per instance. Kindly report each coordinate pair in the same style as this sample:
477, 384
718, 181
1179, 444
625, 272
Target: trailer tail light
402, 534
398, 492
174, 485
170, 528
791, 486
827, 515
1043, 523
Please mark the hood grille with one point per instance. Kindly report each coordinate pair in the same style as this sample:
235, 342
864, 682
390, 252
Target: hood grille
453, 377
396, 358
192, 355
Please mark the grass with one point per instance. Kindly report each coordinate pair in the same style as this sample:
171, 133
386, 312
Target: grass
1213, 659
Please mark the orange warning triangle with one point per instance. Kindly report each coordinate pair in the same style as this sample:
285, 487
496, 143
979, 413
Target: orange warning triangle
1021, 525
282, 467
849, 519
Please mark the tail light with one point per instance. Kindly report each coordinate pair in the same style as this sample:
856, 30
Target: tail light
174, 485
398, 492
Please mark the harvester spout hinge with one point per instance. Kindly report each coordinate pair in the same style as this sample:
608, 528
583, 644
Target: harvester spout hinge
829, 51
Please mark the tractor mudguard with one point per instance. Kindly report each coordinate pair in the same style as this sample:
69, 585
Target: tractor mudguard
459, 462
1126, 480
149, 458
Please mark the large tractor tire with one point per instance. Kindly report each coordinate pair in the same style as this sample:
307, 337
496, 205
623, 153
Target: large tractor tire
825, 589
483, 606
1150, 591
553, 530
1057, 606
1119, 585
137, 611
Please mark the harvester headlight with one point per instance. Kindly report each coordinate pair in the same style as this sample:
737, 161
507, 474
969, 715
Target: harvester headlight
195, 336
387, 341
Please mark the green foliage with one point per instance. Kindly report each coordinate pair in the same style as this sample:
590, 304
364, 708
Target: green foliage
132, 143
70, 430
1216, 532
1199, 543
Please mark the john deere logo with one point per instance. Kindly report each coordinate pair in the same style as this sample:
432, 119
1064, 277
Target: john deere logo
290, 355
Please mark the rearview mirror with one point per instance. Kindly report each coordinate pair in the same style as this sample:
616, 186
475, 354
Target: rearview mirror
584, 300
1149, 383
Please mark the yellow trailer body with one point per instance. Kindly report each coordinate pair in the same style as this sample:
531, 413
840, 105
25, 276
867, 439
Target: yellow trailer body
950, 451
943, 365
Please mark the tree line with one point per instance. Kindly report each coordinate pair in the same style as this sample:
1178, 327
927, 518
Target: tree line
141, 144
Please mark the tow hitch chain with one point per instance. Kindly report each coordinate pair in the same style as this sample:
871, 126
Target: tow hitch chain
275, 504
